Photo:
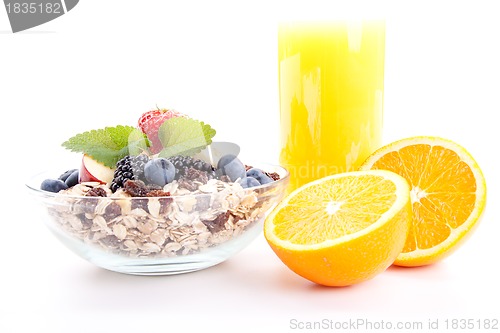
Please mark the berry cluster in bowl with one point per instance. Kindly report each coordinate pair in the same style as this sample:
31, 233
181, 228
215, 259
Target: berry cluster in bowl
141, 174
162, 189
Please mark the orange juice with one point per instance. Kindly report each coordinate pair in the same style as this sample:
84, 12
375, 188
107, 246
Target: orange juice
331, 84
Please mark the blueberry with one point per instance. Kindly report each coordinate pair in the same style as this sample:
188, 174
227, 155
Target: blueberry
159, 171
247, 182
53, 185
72, 179
259, 175
66, 174
232, 167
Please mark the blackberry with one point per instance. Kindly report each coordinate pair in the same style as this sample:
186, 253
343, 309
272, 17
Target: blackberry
129, 167
183, 163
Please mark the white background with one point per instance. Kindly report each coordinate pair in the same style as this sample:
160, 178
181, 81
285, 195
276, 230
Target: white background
106, 62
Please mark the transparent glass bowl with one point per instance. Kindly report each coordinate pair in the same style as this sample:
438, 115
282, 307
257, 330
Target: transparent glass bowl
159, 235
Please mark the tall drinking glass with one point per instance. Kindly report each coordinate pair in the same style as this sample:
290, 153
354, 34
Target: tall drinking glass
331, 87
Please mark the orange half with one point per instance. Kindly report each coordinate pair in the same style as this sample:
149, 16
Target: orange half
447, 190
342, 229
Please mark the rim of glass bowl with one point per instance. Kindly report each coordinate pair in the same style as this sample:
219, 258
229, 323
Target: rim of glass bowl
33, 184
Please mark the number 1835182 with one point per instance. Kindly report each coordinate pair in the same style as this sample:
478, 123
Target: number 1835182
34, 8
471, 324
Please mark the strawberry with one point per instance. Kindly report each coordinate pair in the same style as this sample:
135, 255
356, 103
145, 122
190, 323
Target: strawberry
150, 122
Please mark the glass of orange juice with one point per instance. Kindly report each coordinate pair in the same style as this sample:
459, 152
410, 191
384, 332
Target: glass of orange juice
331, 86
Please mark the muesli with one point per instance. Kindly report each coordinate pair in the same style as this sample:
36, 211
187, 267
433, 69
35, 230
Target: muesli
146, 191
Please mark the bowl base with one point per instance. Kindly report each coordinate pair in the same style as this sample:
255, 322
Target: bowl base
156, 266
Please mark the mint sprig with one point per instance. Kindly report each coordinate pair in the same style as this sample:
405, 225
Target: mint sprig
110, 144
184, 136
179, 136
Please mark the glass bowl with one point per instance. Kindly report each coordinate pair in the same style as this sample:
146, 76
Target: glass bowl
159, 235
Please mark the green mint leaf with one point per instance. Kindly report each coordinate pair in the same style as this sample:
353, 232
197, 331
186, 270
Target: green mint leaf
108, 145
138, 142
184, 136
